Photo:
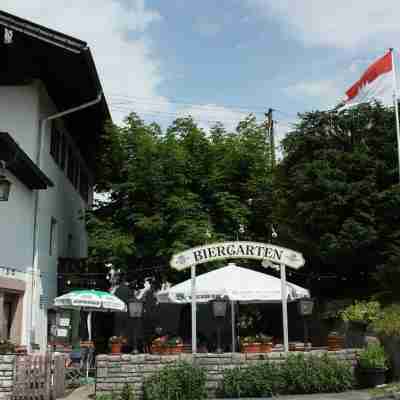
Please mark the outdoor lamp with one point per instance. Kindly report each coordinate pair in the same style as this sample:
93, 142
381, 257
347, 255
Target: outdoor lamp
305, 308
135, 308
5, 184
219, 306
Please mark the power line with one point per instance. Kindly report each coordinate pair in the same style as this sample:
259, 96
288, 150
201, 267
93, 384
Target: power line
188, 103
168, 115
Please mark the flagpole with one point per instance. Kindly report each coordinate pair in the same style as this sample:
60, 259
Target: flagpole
396, 108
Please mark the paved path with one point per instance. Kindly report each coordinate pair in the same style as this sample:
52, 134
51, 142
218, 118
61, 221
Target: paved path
353, 395
83, 393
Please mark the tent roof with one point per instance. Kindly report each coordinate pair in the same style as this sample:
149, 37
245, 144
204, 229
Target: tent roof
237, 283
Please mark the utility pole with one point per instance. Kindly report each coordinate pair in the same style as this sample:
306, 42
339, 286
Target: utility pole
270, 134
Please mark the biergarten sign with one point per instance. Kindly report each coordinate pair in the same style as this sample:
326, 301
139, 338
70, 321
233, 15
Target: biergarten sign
237, 249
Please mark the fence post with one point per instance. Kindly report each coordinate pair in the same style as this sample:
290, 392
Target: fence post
59, 376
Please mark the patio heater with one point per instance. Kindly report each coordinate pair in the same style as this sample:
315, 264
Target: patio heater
305, 308
135, 308
219, 306
5, 184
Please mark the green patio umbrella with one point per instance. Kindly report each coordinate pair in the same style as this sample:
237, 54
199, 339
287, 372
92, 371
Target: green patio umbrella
90, 300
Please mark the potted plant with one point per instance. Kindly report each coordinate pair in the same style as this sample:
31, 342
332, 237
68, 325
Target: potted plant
116, 343
250, 344
174, 345
372, 363
335, 341
358, 316
265, 343
387, 328
6, 347
158, 345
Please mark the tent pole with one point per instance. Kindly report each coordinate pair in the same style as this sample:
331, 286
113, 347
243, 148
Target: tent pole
194, 310
284, 309
89, 325
233, 326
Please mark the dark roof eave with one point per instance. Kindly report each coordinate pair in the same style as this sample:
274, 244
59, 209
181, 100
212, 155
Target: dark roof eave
41, 32
19, 164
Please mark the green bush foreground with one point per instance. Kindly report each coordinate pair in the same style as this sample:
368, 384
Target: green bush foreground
181, 381
296, 375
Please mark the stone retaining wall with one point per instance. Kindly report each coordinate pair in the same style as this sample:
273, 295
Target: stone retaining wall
7, 372
113, 371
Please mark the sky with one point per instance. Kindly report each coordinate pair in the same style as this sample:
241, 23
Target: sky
219, 60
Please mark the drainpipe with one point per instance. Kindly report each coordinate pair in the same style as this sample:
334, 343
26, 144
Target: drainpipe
35, 255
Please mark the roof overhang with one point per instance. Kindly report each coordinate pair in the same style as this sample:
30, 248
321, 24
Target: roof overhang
20, 165
66, 68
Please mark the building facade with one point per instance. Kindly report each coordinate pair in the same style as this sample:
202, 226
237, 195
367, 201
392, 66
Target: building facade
52, 114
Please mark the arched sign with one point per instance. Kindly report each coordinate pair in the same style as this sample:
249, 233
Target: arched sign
238, 249
229, 250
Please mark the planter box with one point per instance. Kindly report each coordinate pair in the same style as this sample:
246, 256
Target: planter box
251, 347
371, 377
335, 343
116, 348
266, 347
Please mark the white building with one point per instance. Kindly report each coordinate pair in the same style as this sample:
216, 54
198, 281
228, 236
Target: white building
52, 114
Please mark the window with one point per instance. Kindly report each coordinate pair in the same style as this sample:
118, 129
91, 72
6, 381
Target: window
84, 186
75, 181
55, 143
71, 165
53, 237
70, 245
63, 151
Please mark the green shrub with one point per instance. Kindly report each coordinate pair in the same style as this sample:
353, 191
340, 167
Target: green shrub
361, 311
127, 393
181, 381
372, 357
256, 381
316, 374
388, 323
297, 374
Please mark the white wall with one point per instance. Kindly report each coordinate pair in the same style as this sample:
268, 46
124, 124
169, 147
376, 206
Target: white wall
21, 109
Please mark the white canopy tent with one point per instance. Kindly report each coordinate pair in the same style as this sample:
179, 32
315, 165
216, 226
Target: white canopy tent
238, 284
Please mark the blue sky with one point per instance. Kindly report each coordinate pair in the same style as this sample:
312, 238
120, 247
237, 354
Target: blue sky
217, 60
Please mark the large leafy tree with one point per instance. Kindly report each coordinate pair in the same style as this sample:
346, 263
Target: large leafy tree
176, 189
337, 196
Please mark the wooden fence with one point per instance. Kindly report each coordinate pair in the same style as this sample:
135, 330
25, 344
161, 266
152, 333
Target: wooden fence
39, 377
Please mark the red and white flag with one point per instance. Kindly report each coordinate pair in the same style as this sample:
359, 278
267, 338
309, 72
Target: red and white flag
375, 83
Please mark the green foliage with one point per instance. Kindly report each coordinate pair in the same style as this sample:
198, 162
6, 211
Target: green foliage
388, 323
182, 381
108, 396
297, 374
6, 346
373, 356
316, 375
170, 189
337, 196
127, 393
361, 311
260, 380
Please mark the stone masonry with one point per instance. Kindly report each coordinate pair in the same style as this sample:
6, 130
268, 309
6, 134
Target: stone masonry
7, 372
113, 371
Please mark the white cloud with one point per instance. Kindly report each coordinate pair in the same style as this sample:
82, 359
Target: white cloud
340, 24
125, 65
208, 114
328, 92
